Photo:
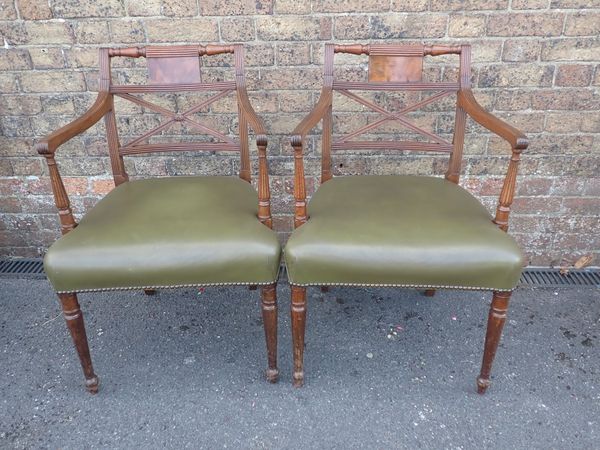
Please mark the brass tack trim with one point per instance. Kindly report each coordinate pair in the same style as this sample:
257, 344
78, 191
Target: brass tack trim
421, 286
173, 286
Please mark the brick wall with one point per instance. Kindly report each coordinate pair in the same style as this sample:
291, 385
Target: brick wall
535, 63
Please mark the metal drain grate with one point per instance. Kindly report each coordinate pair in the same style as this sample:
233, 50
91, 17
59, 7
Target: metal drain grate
553, 278
34, 267
22, 267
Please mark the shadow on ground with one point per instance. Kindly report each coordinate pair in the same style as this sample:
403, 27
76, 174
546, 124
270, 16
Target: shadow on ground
184, 369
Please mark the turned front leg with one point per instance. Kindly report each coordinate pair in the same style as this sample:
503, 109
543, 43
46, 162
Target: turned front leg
269, 314
74, 319
298, 327
496, 319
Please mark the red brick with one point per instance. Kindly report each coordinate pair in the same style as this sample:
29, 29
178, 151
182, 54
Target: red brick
575, 49
586, 23
592, 187
102, 186
582, 205
76, 185
34, 9
565, 99
517, 50
537, 205
466, 25
459, 5
574, 75
235, 7
526, 24
287, 28
534, 186
11, 186
350, 6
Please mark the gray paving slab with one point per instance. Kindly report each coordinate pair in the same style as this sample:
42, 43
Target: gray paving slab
183, 369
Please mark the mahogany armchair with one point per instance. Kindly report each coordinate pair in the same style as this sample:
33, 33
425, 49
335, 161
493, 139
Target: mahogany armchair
166, 232
404, 231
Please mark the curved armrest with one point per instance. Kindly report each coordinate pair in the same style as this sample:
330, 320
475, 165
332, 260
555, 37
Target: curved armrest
47, 147
255, 122
315, 116
516, 138
50, 143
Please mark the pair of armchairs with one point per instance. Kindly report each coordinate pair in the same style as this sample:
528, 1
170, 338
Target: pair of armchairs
405, 231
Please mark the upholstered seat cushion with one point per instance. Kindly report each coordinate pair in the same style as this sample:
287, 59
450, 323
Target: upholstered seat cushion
167, 232
400, 230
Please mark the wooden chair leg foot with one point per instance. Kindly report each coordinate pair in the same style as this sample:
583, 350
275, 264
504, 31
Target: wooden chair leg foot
429, 292
150, 291
92, 385
298, 379
272, 375
269, 314
298, 328
496, 320
74, 319
482, 385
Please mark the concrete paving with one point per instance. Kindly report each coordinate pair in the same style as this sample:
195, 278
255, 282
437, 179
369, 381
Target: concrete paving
183, 369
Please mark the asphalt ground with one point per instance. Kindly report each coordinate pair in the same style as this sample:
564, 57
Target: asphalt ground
385, 368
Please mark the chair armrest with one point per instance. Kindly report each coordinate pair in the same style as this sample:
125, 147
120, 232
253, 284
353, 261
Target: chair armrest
255, 122
518, 142
297, 140
47, 148
315, 116
516, 138
49, 144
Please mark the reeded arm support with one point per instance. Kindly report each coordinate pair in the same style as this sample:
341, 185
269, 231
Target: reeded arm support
47, 148
318, 113
248, 117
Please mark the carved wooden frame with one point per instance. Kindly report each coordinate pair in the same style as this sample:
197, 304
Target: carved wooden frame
396, 67
172, 69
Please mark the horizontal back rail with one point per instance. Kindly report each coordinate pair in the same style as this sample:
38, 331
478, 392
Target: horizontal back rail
396, 86
179, 147
392, 145
183, 87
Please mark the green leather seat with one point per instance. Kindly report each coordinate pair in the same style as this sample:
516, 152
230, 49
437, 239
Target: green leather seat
400, 231
167, 232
